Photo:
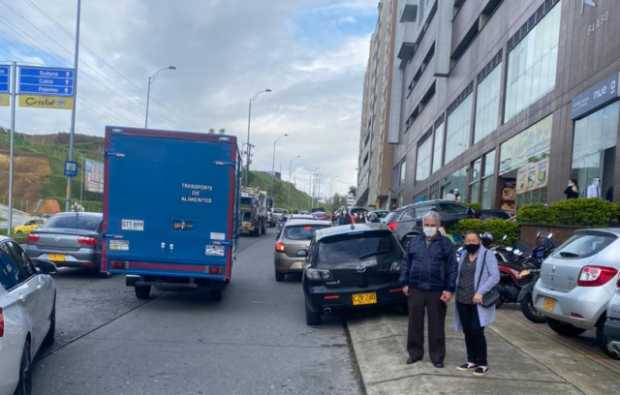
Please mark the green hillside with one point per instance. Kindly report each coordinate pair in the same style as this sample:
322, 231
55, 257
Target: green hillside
285, 193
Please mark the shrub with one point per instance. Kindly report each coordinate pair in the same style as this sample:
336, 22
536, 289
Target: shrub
575, 212
497, 227
475, 206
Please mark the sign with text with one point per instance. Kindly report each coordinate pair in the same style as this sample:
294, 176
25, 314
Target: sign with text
71, 168
4, 100
595, 97
46, 81
532, 176
53, 102
93, 176
5, 74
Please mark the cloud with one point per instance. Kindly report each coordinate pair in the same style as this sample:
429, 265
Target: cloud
312, 53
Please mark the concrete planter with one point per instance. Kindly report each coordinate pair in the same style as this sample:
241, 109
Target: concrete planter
561, 233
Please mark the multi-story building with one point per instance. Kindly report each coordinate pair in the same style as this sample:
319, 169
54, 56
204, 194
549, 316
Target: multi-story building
375, 154
501, 102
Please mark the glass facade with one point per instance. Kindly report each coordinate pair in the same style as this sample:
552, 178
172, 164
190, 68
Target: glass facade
455, 186
423, 160
594, 152
487, 104
532, 64
474, 187
528, 146
438, 148
457, 133
403, 172
488, 181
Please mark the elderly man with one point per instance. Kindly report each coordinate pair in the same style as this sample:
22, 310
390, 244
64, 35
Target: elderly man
429, 281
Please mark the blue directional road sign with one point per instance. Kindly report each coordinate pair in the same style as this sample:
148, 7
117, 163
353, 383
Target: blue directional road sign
46, 81
5, 73
71, 168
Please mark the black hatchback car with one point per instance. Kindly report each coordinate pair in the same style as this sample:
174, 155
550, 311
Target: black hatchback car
352, 266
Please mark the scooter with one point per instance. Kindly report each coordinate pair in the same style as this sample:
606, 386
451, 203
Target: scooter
544, 247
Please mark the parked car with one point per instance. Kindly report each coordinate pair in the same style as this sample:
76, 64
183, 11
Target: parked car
612, 325
577, 282
27, 315
352, 266
381, 214
321, 216
29, 226
408, 219
292, 243
493, 214
70, 239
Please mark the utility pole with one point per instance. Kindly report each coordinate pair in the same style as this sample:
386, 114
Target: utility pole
75, 89
12, 145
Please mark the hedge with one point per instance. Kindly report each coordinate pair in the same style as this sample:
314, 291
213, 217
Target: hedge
575, 212
497, 227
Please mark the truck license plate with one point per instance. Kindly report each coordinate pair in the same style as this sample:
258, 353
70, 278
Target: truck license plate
365, 298
56, 257
549, 304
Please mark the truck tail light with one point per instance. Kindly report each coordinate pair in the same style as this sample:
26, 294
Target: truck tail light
393, 226
594, 276
280, 246
216, 270
87, 241
32, 238
1, 322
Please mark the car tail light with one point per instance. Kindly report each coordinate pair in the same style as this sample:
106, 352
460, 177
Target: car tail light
393, 226
594, 276
1, 322
87, 241
280, 246
32, 238
331, 297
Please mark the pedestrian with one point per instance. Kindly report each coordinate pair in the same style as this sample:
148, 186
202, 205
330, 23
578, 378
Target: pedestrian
572, 190
477, 275
429, 281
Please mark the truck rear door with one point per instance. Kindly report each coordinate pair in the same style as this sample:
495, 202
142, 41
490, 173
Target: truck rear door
169, 203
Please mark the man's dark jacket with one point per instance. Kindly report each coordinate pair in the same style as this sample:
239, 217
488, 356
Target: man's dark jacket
432, 268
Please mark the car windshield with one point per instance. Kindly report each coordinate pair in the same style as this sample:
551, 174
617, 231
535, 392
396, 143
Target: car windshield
353, 247
392, 216
246, 201
74, 221
301, 232
584, 245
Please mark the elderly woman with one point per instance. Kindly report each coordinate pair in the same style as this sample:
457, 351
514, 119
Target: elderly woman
477, 275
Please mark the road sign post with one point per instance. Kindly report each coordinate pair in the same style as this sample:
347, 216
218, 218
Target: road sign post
12, 146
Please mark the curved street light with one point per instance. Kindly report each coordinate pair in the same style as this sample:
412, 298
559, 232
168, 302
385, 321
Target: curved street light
273, 167
148, 91
248, 146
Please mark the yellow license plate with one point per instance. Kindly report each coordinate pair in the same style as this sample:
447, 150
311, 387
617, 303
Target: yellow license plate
365, 298
549, 304
56, 257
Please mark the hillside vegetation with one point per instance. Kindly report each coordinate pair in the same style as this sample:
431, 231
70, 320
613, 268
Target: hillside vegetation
285, 193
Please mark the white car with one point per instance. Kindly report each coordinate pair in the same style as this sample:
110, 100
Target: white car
27, 315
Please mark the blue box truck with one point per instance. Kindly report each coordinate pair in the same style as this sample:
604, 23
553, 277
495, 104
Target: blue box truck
170, 208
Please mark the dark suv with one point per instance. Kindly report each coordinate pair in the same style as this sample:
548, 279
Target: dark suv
408, 219
352, 266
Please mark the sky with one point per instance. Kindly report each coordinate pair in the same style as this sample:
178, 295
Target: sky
311, 53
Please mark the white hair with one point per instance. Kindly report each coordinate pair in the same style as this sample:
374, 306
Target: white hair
432, 215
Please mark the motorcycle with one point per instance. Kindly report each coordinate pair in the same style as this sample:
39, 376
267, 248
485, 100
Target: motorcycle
544, 247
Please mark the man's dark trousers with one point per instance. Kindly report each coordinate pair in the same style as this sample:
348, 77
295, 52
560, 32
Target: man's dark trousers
420, 303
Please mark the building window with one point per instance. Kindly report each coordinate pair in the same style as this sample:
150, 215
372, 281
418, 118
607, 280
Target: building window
488, 184
457, 132
594, 152
532, 64
403, 172
523, 167
423, 159
474, 185
454, 185
487, 104
438, 147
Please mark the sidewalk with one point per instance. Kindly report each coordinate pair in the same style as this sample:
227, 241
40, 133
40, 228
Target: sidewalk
525, 358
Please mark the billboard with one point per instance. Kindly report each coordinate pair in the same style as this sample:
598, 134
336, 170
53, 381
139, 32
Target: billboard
93, 176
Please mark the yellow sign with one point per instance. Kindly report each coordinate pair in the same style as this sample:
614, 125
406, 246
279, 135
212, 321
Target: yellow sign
4, 100
57, 102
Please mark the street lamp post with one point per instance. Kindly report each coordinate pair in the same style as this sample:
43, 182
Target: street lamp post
148, 92
290, 176
248, 146
273, 168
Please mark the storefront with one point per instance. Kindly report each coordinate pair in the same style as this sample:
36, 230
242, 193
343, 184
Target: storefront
596, 114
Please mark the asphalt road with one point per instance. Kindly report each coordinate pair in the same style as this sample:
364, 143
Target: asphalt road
255, 341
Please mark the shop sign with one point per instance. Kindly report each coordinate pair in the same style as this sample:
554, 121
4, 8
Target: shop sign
533, 176
595, 97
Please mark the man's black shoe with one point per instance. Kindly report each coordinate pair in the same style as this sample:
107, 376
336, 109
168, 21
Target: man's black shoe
438, 365
411, 361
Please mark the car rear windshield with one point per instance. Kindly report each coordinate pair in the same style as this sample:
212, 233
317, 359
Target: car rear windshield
301, 232
583, 245
353, 247
393, 216
77, 221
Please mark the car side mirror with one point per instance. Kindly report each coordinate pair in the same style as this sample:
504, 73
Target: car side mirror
44, 267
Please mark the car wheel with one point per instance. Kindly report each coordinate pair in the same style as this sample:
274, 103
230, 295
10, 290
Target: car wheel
50, 337
602, 341
143, 291
312, 317
564, 329
24, 387
529, 311
279, 276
